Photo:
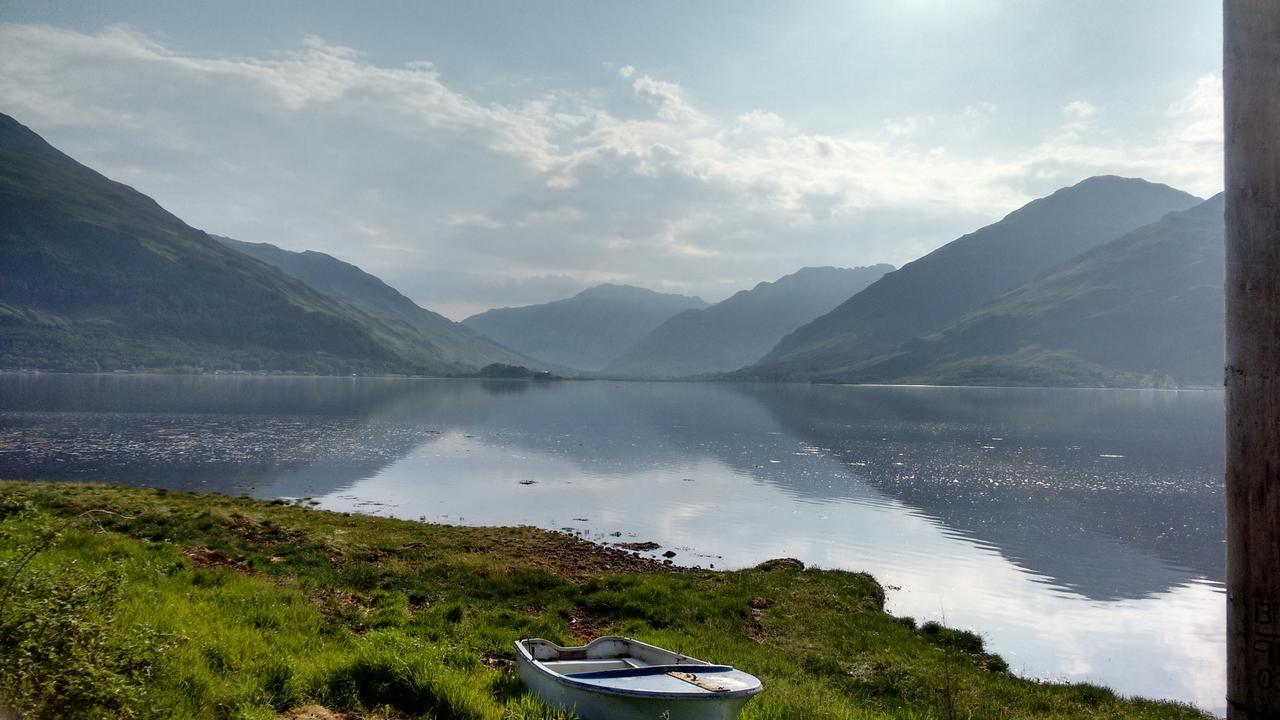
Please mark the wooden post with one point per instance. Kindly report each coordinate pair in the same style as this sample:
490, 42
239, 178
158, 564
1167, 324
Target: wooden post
1251, 80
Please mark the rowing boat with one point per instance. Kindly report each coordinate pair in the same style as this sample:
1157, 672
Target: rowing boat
617, 678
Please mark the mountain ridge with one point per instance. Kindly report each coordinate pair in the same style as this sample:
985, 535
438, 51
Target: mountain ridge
1146, 309
926, 294
95, 275
349, 283
584, 332
739, 330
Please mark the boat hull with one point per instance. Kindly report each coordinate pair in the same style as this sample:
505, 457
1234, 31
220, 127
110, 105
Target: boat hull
593, 705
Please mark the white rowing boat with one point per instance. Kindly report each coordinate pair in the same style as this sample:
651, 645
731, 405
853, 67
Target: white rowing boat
617, 678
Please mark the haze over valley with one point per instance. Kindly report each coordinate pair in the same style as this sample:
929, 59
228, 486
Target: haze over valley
1109, 282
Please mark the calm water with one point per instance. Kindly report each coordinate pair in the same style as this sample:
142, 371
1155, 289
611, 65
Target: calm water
1080, 531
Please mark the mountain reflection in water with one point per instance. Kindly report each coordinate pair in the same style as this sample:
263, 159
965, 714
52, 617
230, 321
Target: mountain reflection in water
1081, 530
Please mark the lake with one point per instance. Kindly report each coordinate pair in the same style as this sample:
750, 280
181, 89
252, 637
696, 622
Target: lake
1079, 531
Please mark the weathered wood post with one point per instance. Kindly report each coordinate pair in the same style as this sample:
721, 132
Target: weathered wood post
1251, 79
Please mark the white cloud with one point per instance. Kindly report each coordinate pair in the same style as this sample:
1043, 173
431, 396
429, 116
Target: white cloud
758, 121
462, 202
901, 127
1080, 109
979, 111
1185, 153
475, 220
90, 79
667, 98
1196, 130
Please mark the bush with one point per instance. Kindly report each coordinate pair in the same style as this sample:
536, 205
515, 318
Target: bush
61, 655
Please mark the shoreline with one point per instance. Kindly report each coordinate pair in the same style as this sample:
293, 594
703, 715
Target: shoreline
391, 590
594, 378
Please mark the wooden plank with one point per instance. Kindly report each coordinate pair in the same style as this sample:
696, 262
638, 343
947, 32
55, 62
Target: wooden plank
701, 682
1251, 78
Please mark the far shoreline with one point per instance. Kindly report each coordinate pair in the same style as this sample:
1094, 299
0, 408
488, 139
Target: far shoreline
34, 372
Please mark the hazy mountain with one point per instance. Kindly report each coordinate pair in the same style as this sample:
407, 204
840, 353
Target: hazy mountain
445, 339
1145, 309
740, 330
927, 294
95, 275
586, 331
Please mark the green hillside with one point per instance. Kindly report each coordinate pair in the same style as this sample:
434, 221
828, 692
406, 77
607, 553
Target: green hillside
434, 333
1143, 310
96, 276
926, 295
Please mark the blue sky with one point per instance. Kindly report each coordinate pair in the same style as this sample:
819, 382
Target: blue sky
481, 154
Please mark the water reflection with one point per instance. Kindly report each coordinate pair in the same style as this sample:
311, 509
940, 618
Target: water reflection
1081, 530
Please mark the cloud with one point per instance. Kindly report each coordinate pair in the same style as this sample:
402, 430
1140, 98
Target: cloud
1080, 109
979, 111
462, 202
758, 121
667, 98
1185, 152
901, 127
91, 79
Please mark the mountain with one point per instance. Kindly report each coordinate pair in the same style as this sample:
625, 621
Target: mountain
97, 276
740, 330
586, 331
925, 295
449, 341
1145, 309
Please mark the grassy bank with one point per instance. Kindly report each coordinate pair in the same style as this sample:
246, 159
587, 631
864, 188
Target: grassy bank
177, 605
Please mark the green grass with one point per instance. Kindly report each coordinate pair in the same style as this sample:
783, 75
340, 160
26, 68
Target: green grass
236, 608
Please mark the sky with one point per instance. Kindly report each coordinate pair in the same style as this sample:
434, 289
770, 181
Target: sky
482, 154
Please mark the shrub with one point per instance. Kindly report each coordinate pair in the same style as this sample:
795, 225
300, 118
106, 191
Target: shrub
60, 652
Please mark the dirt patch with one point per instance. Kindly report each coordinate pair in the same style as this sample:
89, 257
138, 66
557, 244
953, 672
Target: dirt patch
755, 628
570, 556
312, 712
318, 712
341, 607
203, 557
585, 626
261, 531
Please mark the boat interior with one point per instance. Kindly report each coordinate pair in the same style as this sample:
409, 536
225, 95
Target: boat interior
603, 655
578, 667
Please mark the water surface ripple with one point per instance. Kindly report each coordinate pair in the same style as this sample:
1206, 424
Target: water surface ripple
1080, 531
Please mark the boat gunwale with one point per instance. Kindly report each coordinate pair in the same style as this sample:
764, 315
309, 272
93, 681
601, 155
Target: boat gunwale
690, 695
648, 670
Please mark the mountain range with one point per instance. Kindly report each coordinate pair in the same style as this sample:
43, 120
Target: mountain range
449, 341
739, 330
97, 276
927, 294
1112, 282
1144, 309
584, 332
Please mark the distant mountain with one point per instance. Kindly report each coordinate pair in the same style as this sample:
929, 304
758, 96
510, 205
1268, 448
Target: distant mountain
927, 294
449, 341
586, 331
740, 330
1145, 309
96, 276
